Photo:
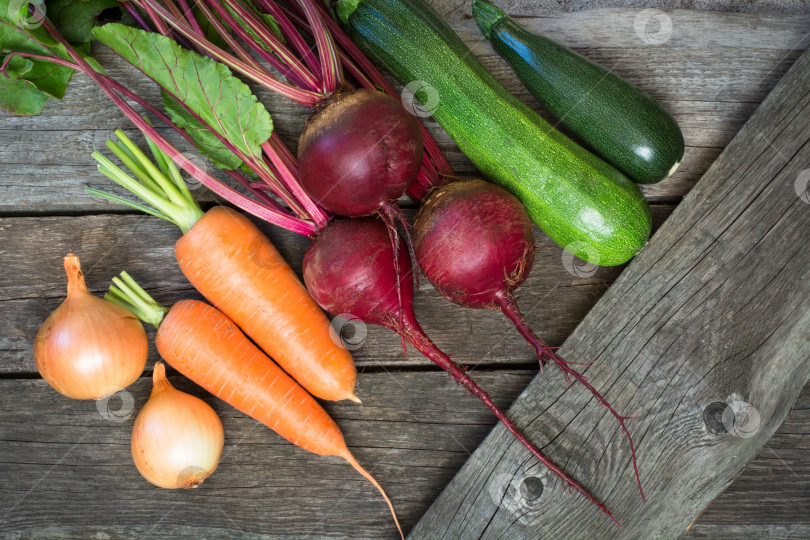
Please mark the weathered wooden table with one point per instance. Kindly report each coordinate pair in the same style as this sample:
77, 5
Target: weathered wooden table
65, 466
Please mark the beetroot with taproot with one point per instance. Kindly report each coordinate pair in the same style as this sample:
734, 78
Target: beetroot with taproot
474, 241
360, 266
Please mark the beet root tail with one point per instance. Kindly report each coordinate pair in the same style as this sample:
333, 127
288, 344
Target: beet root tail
546, 353
416, 336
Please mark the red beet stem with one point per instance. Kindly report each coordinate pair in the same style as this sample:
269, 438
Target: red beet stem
331, 69
135, 14
304, 97
160, 26
544, 353
391, 212
282, 59
292, 34
388, 217
230, 40
192, 20
416, 336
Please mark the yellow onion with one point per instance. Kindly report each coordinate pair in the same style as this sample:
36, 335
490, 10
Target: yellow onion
177, 439
89, 348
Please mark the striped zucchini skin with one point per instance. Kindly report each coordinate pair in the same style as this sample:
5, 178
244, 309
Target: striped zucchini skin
618, 121
581, 202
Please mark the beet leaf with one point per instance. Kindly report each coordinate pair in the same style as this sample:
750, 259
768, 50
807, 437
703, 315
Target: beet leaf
76, 18
204, 86
26, 84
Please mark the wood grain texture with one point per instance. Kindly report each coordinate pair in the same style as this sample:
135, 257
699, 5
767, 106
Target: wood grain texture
67, 472
710, 75
452, 9
771, 497
716, 309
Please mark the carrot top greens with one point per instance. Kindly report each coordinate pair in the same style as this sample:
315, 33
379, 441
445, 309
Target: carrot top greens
129, 295
161, 185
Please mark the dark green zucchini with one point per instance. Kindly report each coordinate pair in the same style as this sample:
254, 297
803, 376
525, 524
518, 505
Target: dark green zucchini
612, 117
581, 202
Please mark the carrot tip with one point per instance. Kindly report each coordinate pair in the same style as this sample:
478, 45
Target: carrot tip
354, 398
353, 462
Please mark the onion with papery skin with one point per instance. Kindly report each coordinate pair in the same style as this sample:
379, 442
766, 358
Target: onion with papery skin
89, 348
177, 438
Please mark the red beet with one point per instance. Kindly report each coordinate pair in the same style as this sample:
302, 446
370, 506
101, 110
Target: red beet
358, 152
350, 268
353, 267
474, 241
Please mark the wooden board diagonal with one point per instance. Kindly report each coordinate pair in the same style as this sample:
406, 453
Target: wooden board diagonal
715, 309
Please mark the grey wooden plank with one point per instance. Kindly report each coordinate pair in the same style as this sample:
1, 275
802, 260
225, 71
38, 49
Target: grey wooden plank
32, 284
532, 8
776, 531
711, 85
716, 308
690, 29
770, 498
67, 472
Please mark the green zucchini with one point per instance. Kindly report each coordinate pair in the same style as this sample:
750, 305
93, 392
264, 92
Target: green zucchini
581, 202
616, 120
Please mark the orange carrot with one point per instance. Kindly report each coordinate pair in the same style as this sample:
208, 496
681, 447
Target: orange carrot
234, 265
203, 344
